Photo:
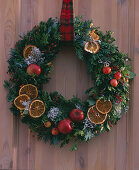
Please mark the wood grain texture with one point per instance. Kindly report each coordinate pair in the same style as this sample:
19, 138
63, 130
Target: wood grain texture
7, 35
116, 150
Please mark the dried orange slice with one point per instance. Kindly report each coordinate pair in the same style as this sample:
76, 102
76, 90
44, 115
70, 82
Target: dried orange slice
36, 108
93, 35
91, 47
103, 106
27, 50
18, 101
29, 90
95, 116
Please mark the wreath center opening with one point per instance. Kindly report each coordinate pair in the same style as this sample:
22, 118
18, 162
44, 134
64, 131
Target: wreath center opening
69, 75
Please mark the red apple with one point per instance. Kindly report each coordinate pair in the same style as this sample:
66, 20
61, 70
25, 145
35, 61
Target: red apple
106, 70
77, 115
33, 69
65, 126
117, 75
114, 82
55, 131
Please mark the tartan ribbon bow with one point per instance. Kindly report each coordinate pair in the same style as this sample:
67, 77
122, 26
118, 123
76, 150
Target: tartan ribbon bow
66, 20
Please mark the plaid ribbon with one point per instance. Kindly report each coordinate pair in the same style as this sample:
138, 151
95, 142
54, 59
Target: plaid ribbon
66, 20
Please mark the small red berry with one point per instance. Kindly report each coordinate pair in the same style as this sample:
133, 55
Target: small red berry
94, 95
117, 67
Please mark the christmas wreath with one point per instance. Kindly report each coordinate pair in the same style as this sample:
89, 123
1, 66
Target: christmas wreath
51, 116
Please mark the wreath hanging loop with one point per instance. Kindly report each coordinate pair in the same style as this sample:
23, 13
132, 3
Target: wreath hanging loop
51, 116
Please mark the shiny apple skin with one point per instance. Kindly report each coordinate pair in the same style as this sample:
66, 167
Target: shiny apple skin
76, 115
106, 70
114, 83
33, 69
65, 126
117, 75
55, 131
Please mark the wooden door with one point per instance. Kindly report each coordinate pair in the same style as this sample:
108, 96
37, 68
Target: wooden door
116, 150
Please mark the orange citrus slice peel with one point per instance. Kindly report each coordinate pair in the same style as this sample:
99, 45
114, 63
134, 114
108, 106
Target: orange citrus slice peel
29, 90
103, 106
91, 47
93, 35
95, 116
18, 101
27, 50
36, 108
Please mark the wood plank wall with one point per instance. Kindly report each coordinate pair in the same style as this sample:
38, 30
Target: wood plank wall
116, 150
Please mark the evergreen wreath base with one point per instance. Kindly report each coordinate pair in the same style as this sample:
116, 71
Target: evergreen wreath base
46, 37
